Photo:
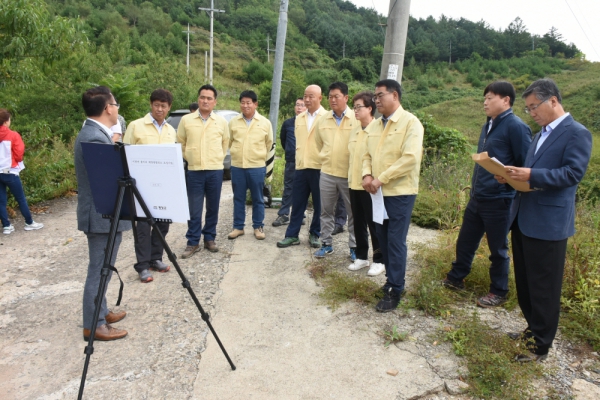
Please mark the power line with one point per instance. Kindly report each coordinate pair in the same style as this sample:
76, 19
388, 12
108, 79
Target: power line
582, 30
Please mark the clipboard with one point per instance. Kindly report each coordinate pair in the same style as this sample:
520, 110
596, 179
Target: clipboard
495, 167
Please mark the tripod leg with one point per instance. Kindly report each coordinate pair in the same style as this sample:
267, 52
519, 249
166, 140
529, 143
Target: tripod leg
108, 253
184, 281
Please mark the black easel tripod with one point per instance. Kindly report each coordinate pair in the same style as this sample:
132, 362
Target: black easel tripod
127, 187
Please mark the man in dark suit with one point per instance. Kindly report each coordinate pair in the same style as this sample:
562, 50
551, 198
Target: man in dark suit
288, 142
507, 138
544, 218
102, 110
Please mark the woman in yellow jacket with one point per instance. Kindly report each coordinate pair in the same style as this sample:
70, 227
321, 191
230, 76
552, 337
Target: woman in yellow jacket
360, 199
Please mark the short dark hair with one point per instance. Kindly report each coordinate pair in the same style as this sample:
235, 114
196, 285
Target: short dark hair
367, 98
300, 98
193, 107
162, 95
208, 87
502, 89
94, 100
249, 94
341, 86
4, 115
391, 86
543, 89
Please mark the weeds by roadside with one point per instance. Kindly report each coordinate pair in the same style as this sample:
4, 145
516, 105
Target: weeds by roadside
339, 286
392, 335
489, 357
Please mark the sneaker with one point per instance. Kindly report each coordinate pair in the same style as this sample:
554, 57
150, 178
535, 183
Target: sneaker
259, 233
235, 233
376, 269
323, 251
7, 230
491, 300
288, 241
158, 265
454, 285
190, 250
314, 241
390, 301
145, 276
358, 264
33, 226
338, 229
352, 254
281, 220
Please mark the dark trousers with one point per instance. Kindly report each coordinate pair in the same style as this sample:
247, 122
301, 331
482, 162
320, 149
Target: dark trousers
362, 210
243, 179
96, 244
392, 238
148, 246
203, 185
539, 266
288, 183
492, 218
306, 183
341, 215
13, 182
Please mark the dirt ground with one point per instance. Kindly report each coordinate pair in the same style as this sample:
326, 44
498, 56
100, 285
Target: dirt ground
285, 342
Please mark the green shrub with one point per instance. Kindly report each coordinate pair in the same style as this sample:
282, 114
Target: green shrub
257, 72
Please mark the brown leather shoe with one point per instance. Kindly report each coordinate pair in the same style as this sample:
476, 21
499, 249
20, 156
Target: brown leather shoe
211, 246
113, 317
190, 250
105, 333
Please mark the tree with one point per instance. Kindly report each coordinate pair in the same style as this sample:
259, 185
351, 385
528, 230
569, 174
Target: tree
30, 38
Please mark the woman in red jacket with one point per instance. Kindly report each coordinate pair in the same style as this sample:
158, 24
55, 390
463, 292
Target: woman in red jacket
12, 149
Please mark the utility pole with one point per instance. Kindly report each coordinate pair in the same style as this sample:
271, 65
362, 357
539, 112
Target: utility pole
276, 92
205, 65
212, 10
269, 50
344, 50
278, 66
187, 61
450, 58
395, 40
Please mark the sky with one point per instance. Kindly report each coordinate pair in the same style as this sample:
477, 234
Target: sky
568, 16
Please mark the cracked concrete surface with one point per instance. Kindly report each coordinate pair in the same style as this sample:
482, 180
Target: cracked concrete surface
264, 307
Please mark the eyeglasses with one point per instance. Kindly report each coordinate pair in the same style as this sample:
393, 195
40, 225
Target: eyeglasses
378, 96
357, 108
529, 110
115, 104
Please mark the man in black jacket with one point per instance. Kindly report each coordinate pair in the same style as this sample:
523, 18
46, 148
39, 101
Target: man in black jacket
288, 142
507, 138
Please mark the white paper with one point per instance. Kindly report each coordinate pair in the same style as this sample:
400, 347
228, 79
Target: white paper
379, 212
494, 159
158, 172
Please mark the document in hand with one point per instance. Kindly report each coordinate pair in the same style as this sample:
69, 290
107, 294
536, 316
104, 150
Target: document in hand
493, 166
379, 212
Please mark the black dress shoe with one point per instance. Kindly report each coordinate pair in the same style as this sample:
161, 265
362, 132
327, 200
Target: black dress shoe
390, 301
530, 357
337, 229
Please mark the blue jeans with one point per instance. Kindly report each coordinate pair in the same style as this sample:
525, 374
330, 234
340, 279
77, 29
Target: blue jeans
13, 182
243, 179
306, 183
489, 216
203, 184
392, 238
288, 182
